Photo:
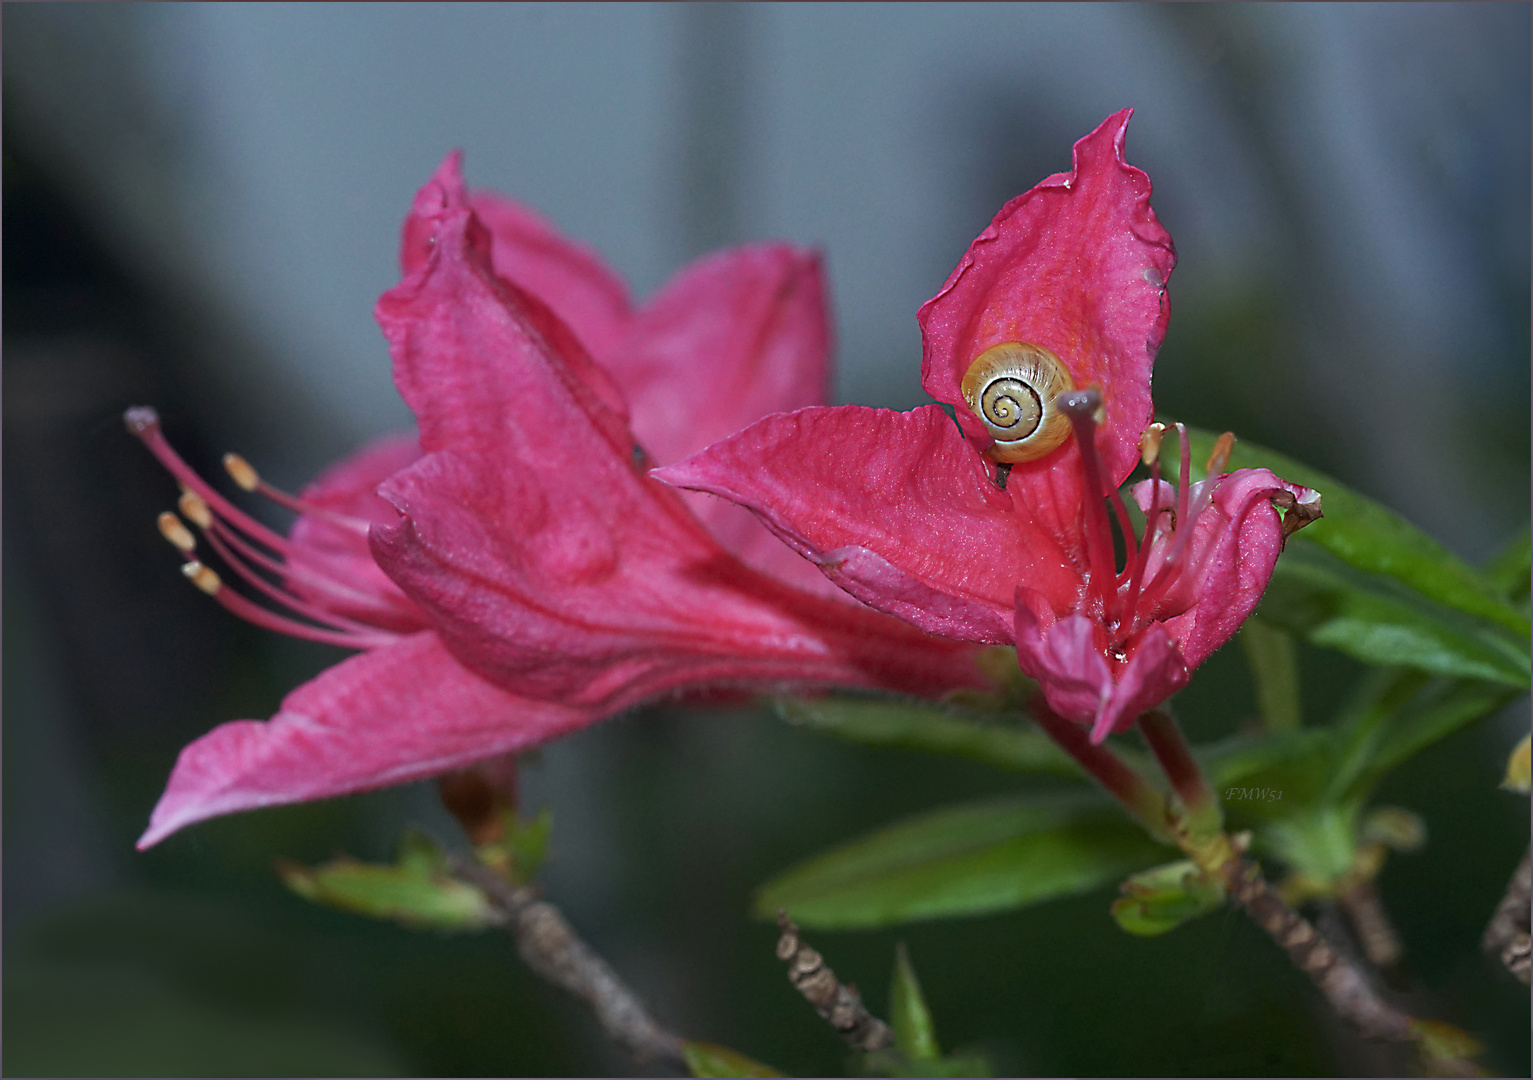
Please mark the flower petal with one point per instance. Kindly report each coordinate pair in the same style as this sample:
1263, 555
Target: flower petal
586, 294
551, 565
905, 489
1234, 547
1079, 266
399, 713
733, 337
330, 561
466, 405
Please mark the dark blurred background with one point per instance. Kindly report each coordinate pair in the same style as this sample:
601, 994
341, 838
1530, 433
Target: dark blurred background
201, 204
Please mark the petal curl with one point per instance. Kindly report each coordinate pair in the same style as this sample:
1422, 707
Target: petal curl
330, 561
1078, 265
399, 713
903, 487
467, 405
571, 278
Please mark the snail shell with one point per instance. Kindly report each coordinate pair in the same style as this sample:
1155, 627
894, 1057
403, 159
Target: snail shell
1012, 388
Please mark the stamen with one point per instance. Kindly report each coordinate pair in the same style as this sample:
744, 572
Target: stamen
205, 578
238, 540
245, 475
195, 509
282, 596
1081, 407
1220, 457
177, 533
145, 423
1149, 444
241, 473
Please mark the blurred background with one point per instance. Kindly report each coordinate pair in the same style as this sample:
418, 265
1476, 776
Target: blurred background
201, 205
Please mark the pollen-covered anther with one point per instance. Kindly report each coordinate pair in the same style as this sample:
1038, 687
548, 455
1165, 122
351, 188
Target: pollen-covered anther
172, 529
1220, 456
241, 472
204, 577
1149, 444
195, 510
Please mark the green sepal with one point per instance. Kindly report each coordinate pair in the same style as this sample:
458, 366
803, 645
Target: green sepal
416, 891
1164, 897
710, 1059
915, 1033
970, 859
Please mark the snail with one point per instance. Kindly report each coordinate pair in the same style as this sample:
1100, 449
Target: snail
1012, 388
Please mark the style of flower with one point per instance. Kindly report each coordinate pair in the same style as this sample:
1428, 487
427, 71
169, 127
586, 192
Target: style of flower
997, 530
514, 574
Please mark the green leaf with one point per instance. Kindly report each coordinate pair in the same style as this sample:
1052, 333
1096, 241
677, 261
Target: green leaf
527, 842
964, 860
1163, 897
1368, 537
405, 894
1508, 570
1379, 621
918, 725
915, 1034
709, 1059
1275, 670
1436, 710
1251, 759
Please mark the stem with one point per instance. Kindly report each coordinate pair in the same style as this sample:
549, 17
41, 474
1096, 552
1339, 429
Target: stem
1507, 936
1143, 802
1338, 978
1176, 759
838, 1004
550, 947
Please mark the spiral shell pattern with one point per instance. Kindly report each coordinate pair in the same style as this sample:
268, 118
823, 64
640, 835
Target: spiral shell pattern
1012, 388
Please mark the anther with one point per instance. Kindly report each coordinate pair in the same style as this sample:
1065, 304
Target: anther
1149, 444
195, 510
1221, 454
205, 578
140, 419
177, 533
241, 472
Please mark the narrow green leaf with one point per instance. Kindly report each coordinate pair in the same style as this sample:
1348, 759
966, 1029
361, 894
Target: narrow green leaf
915, 1033
709, 1059
1264, 776
1435, 711
909, 724
1275, 669
400, 893
1163, 897
1379, 621
1508, 570
1370, 538
963, 860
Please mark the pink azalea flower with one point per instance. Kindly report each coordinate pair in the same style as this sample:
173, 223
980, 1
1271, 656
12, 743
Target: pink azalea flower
997, 530
514, 574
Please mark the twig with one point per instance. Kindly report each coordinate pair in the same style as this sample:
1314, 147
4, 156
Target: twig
1337, 976
1365, 911
1507, 937
550, 947
837, 1003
